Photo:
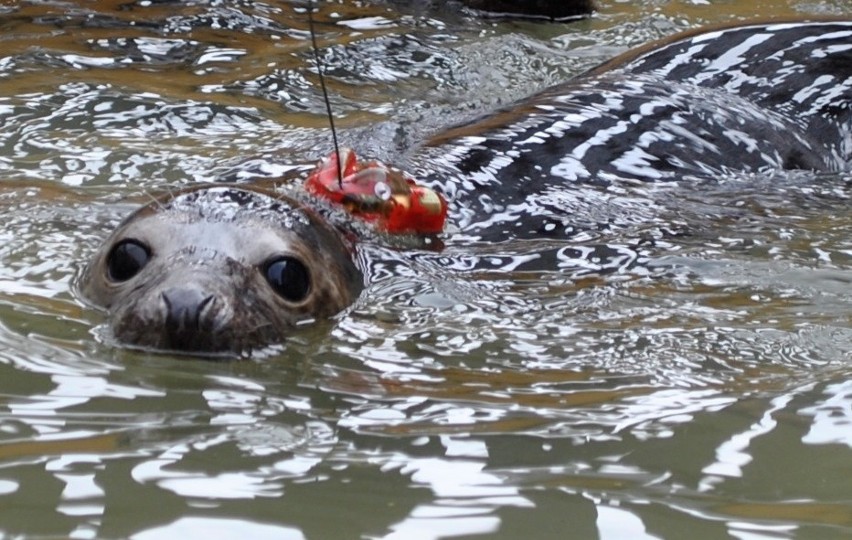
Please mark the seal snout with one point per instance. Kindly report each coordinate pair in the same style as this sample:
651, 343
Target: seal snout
190, 316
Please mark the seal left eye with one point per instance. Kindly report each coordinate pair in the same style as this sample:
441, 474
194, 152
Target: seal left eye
126, 259
289, 277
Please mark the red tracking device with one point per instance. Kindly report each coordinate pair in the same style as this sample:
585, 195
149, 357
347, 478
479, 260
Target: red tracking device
377, 193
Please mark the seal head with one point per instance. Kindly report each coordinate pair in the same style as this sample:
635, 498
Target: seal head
220, 270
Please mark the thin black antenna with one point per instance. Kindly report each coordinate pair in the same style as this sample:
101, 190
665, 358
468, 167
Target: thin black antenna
324, 91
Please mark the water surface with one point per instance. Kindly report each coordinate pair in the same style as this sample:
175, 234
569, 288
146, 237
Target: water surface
706, 391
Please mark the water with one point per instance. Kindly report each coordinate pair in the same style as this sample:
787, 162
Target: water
476, 391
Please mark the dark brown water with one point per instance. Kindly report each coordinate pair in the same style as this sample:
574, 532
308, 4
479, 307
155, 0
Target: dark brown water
708, 397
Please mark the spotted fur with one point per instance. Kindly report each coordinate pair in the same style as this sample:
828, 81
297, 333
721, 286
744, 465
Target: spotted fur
752, 98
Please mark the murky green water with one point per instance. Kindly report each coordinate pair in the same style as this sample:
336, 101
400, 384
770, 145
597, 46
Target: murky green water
705, 394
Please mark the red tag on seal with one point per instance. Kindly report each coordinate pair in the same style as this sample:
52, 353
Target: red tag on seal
374, 192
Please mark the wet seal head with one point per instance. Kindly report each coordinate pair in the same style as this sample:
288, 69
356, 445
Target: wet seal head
220, 270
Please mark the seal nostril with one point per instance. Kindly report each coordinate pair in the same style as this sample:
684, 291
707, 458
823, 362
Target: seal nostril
185, 311
207, 304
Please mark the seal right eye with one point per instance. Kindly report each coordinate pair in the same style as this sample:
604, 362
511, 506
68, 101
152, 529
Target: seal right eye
289, 277
126, 259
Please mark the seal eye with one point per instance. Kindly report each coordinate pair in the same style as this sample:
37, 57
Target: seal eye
126, 259
289, 277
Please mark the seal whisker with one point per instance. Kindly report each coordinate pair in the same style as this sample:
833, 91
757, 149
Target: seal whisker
157, 203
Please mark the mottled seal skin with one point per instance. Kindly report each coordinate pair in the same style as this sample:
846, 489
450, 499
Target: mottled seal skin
752, 98
547, 9
554, 10
204, 286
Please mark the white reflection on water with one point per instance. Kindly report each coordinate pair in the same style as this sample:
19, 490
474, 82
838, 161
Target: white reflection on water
8, 486
422, 525
233, 485
219, 529
465, 495
70, 391
732, 455
832, 418
754, 531
614, 523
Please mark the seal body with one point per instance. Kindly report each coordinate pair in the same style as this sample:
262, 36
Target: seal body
554, 10
750, 98
225, 269
547, 9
